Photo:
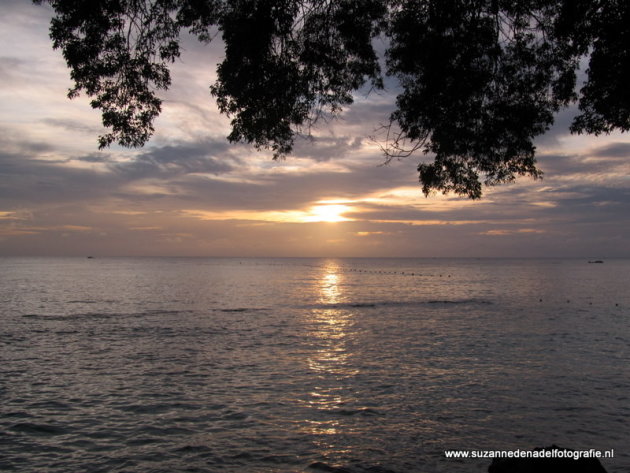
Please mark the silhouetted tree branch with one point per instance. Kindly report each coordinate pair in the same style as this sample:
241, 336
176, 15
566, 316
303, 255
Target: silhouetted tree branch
479, 79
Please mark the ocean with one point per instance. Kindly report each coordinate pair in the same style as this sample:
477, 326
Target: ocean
308, 365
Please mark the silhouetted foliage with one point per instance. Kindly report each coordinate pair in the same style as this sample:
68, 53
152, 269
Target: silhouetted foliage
479, 79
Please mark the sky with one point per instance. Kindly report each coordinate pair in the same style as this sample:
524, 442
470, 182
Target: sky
188, 192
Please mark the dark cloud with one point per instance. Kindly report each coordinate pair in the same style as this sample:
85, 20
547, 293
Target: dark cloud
553, 164
10, 143
95, 158
323, 149
590, 204
557, 165
371, 115
176, 160
28, 180
560, 128
613, 150
73, 126
8, 66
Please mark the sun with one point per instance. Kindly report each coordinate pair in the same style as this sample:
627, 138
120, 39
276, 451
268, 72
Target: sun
328, 213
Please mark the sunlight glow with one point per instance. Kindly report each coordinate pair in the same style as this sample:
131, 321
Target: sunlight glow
322, 212
8, 216
327, 213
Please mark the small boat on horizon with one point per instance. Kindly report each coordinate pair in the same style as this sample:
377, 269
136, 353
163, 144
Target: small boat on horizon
596, 261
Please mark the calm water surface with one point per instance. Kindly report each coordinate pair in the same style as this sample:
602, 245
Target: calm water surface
299, 365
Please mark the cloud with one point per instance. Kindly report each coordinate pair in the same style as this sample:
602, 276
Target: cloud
365, 234
10, 216
613, 150
95, 158
27, 180
73, 125
504, 232
178, 159
8, 67
559, 129
323, 148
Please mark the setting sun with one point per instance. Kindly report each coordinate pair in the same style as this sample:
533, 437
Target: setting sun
328, 213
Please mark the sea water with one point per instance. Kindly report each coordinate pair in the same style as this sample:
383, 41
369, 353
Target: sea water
292, 365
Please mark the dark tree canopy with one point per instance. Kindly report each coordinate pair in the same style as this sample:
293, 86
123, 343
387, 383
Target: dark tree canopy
479, 79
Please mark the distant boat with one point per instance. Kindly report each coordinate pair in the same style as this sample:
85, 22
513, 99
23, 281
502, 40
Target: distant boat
90, 257
596, 261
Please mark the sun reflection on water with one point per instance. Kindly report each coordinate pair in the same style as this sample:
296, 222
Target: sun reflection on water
331, 360
329, 289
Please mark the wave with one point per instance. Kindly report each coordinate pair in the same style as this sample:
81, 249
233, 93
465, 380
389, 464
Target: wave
360, 411
242, 309
325, 467
387, 303
38, 429
103, 315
